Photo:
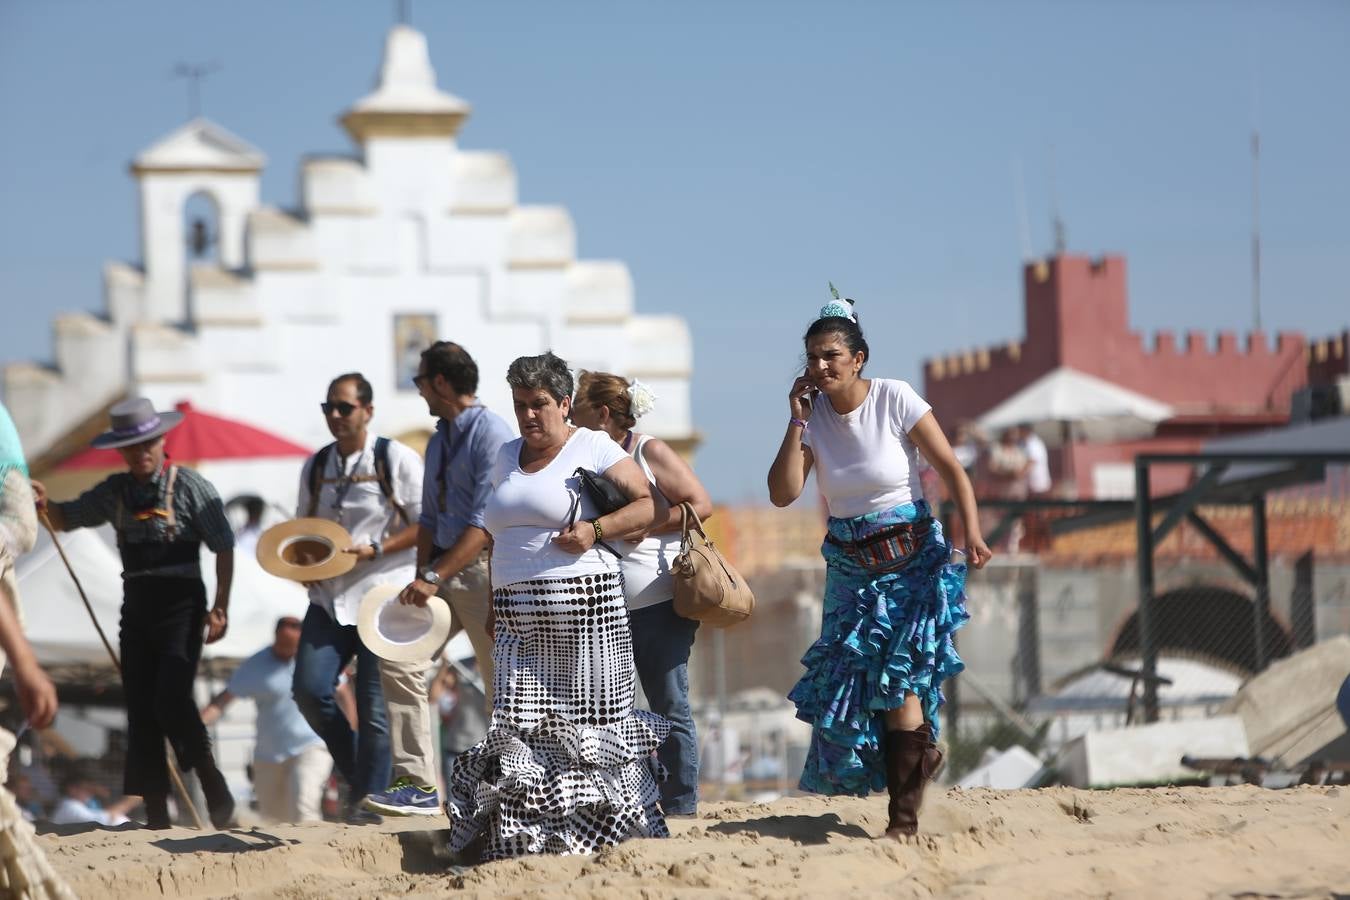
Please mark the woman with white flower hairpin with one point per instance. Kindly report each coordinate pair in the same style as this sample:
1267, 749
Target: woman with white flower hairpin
662, 639
893, 595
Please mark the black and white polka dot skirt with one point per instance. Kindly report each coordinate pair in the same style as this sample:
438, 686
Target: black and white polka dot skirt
567, 765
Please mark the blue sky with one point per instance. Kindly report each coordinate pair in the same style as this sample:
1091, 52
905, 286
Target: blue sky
740, 154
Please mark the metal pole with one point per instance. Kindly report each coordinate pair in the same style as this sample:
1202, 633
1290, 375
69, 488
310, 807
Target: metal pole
720, 685
1261, 608
1148, 642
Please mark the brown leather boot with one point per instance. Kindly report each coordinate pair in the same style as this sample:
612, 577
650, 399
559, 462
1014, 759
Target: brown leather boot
912, 759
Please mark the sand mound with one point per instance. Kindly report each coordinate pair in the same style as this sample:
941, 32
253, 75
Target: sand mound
1182, 842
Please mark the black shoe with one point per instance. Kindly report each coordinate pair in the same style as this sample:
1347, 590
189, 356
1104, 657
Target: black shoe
219, 800
157, 812
358, 814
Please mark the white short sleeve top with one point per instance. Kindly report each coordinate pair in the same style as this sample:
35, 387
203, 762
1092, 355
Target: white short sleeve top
864, 459
527, 510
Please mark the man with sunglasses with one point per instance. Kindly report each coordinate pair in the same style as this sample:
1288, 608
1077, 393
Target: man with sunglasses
452, 558
372, 487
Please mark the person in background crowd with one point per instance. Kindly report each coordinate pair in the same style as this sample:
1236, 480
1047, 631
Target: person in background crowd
82, 799
662, 639
1008, 465
893, 595
246, 538
372, 487
968, 447
1038, 461
463, 721
162, 513
290, 762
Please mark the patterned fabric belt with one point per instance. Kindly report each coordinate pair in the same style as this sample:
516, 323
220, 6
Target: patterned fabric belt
888, 549
177, 570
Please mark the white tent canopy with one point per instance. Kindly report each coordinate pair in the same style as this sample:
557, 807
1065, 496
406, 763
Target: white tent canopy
59, 628
1095, 408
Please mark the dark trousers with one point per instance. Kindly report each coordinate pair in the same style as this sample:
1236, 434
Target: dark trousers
361, 756
161, 643
662, 640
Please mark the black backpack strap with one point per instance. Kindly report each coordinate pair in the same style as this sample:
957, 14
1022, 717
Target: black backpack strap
317, 464
386, 483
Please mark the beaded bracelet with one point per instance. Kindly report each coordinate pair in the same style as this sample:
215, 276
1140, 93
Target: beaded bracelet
796, 421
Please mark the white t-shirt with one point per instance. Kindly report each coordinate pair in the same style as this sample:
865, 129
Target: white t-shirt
1038, 476
864, 459
363, 510
527, 510
646, 566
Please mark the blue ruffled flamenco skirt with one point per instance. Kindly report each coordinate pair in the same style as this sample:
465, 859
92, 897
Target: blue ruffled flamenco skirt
882, 636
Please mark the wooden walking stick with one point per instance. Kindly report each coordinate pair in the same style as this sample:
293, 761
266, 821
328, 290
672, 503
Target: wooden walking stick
117, 663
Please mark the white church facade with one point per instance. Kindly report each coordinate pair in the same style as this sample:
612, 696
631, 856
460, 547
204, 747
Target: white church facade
410, 240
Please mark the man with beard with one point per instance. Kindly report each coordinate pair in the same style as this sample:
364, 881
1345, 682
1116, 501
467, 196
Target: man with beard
452, 559
371, 486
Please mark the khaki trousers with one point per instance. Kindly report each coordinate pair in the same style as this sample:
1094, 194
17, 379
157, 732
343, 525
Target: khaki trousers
292, 790
412, 751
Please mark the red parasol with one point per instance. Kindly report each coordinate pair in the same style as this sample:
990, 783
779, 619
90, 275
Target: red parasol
200, 436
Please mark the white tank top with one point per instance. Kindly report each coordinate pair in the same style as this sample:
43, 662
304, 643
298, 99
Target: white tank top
646, 568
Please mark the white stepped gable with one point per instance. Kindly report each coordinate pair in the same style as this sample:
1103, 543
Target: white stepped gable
412, 240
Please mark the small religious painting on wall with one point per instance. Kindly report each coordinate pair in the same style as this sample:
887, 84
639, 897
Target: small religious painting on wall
413, 333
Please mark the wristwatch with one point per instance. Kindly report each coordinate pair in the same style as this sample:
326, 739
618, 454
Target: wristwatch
430, 576
379, 551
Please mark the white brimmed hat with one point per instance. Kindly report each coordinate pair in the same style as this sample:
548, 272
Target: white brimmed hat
399, 632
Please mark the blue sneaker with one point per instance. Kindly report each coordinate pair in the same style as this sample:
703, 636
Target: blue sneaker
405, 798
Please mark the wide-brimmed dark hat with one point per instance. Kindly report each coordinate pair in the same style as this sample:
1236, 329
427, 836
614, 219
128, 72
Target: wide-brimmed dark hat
133, 421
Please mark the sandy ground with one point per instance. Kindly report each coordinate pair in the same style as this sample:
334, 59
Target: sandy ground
1241, 842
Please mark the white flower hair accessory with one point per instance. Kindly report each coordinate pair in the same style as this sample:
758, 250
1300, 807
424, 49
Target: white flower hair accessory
641, 399
839, 306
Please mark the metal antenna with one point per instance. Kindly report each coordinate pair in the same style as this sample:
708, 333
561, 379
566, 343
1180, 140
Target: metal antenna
1023, 224
1056, 221
195, 74
404, 11
1256, 209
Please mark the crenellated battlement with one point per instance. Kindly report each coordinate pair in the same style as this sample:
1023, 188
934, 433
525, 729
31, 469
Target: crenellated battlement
978, 359
1076, 312
1223, 343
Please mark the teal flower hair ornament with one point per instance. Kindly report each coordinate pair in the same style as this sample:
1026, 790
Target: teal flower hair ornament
641, 399
841, 308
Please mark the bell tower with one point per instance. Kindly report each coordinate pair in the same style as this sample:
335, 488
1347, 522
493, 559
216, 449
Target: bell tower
200, 159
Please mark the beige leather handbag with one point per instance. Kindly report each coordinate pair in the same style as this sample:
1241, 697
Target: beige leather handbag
707, 588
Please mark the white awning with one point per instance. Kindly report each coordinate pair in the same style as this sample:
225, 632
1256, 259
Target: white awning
1094, 408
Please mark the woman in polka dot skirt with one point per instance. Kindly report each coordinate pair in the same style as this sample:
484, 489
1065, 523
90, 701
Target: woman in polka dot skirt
567, 764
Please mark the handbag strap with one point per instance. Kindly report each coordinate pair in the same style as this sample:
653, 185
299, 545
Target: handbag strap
572, 518
686, 530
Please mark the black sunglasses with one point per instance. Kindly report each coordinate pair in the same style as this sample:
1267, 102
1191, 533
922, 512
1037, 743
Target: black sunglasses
418, 379
343, 408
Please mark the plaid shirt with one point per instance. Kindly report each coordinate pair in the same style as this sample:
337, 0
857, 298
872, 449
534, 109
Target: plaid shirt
197, 509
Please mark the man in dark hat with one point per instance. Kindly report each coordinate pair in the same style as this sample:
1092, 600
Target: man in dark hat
162, 513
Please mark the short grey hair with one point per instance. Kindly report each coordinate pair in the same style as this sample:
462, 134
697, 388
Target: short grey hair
546, 372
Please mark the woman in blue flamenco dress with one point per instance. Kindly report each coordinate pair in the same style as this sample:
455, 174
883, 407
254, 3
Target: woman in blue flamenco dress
893, 597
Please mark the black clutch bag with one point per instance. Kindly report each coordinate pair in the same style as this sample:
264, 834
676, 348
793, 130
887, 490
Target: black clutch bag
604, 493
